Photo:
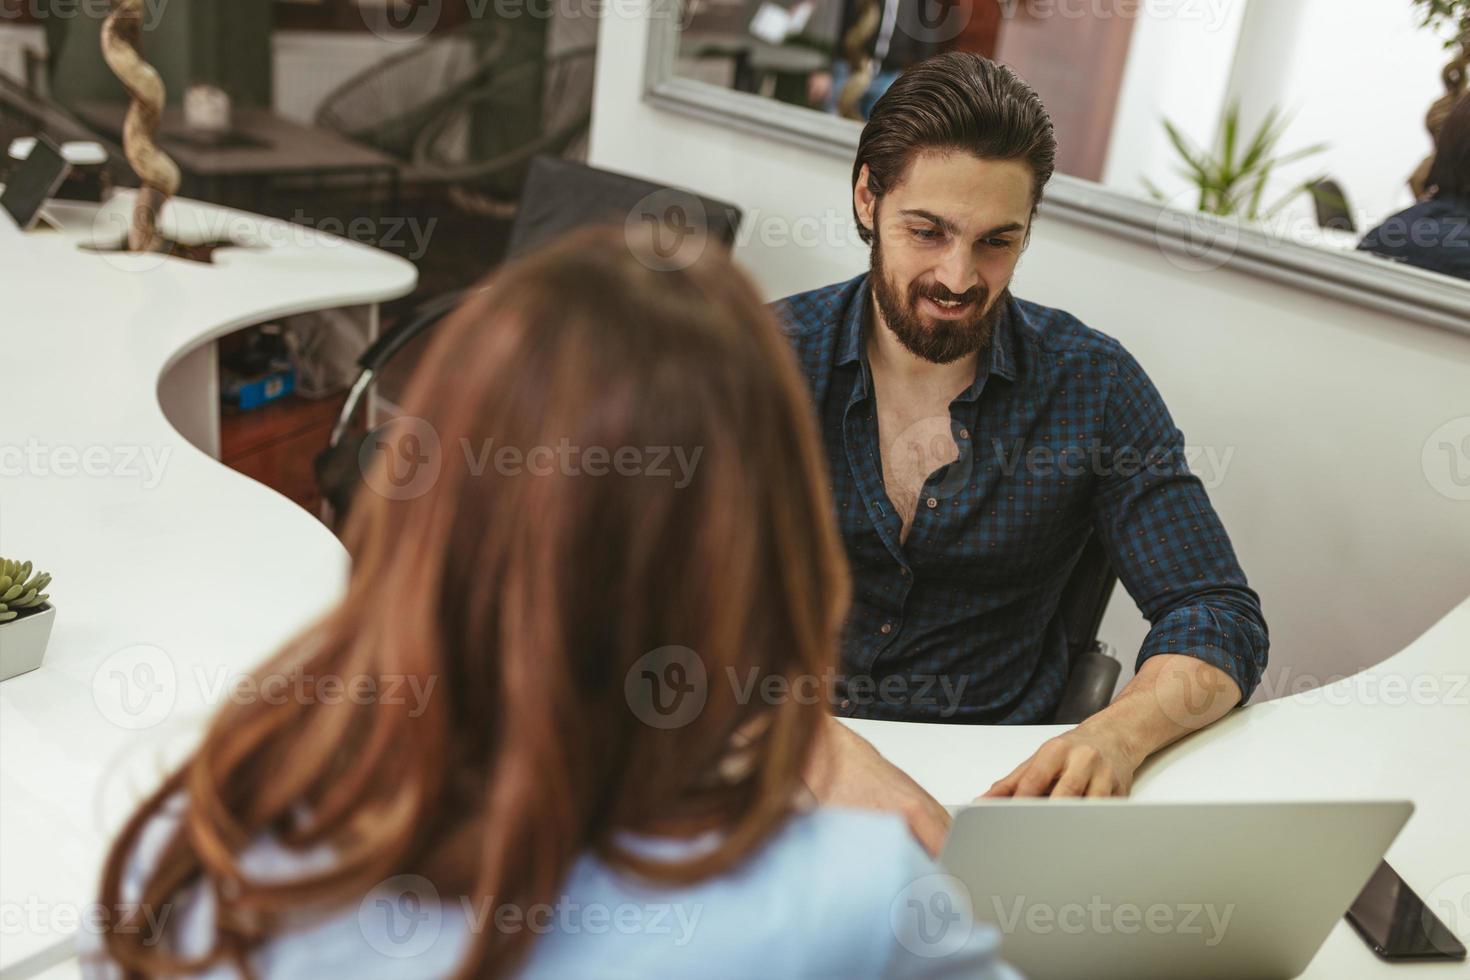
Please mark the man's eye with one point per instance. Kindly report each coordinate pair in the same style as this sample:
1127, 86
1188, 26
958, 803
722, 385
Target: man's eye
927, 234
998, 242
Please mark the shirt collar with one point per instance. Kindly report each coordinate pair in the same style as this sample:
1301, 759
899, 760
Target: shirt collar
1001, 359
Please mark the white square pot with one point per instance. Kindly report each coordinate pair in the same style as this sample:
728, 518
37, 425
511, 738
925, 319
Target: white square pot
23, 642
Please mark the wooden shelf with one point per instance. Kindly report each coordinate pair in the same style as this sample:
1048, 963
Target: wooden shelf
277, 444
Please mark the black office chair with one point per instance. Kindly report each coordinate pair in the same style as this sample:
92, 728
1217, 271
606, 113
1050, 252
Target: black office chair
481, 146
558, 196
388, 105
1092, 672
1333, 211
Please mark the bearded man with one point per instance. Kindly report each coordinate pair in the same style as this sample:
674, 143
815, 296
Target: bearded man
975, 442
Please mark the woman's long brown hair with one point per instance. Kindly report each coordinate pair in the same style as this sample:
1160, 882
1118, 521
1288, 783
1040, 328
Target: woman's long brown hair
525, 595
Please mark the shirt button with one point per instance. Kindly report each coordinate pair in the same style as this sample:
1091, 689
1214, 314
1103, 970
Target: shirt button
886, 628
846, 704
932, 503
964, 433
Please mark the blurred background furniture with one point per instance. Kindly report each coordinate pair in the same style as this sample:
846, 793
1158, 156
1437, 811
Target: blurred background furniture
388, 105
480, 148
242, 168
559, 195
23, 113
1333, 211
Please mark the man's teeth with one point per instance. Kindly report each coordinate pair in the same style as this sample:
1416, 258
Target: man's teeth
950, 303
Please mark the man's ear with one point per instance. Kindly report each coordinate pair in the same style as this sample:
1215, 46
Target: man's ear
863, 201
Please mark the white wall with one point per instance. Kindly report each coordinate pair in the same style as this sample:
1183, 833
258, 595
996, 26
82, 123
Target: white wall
309, 65
1324, 408
14, 39
1358, 75
1179, 68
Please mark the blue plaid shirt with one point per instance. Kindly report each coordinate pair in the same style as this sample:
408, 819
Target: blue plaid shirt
1060, 434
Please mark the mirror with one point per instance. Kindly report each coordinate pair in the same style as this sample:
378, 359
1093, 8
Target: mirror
1302, 123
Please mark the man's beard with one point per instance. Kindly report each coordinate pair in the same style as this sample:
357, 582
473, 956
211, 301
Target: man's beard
939, 341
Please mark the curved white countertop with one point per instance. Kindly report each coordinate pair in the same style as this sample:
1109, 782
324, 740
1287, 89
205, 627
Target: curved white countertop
166, 591
172, 572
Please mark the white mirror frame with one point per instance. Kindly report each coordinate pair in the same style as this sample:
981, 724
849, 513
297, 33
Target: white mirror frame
1199, 239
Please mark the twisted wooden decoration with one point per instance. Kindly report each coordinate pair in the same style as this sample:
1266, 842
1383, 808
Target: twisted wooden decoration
121, 36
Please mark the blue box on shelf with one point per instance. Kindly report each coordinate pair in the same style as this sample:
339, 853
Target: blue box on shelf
244, 394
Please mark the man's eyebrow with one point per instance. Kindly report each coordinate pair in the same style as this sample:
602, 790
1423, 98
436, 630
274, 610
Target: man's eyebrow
951, 228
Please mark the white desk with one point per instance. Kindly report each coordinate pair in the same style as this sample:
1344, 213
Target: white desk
1367, 737
190, 570
214, 571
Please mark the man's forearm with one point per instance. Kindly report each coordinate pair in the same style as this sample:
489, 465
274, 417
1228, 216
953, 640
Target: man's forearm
1172, 695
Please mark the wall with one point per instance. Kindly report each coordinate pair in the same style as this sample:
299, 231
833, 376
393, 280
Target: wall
221, 42
1179, 68
1358, 75
14, 40
1322, 410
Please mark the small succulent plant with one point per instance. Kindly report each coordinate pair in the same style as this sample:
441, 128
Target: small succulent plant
20, 591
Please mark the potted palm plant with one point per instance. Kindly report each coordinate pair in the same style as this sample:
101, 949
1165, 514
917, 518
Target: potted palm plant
1231, 178
26, 616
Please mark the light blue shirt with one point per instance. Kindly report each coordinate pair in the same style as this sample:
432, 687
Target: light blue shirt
835, 893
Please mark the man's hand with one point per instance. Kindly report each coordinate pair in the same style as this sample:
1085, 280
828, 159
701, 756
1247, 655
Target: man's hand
1170, 696
1083, 762
847, 771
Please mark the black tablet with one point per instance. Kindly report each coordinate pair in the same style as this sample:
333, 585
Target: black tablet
33, 183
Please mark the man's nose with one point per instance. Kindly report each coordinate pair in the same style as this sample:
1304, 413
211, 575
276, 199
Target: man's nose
956, 272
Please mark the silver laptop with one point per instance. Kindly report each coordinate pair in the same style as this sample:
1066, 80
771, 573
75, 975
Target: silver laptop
1103, 889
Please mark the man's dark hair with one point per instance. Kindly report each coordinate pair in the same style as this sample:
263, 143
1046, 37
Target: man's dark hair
1451, 170
955, 101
